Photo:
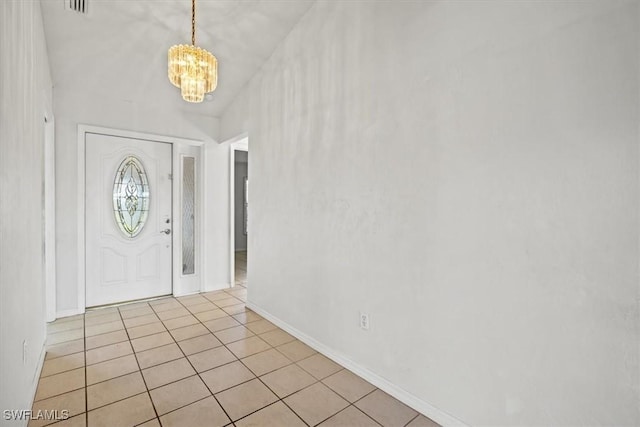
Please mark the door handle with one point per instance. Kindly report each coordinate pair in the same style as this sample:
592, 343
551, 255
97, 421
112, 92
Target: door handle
166, 231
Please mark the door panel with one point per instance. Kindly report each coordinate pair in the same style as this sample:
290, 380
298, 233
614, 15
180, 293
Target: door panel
119, 267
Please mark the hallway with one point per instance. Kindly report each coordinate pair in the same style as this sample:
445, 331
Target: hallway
444, 202
241, 268
200, 360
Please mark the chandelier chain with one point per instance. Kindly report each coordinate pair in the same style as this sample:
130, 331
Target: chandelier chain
193, 22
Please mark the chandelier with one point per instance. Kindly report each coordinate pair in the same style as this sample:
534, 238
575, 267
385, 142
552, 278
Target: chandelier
193, 69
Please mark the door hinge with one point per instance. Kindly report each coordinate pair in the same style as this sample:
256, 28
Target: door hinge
170, 176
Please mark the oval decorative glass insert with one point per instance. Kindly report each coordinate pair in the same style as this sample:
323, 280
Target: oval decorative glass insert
131, 196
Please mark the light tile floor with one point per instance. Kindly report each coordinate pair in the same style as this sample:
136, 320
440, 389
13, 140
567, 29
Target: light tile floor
200, 360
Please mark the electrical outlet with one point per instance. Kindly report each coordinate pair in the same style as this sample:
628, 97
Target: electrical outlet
364, 321
24, 352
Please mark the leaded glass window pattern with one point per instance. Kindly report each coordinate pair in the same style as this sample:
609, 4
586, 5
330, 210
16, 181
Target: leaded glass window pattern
188, 215
245, 207
131, 196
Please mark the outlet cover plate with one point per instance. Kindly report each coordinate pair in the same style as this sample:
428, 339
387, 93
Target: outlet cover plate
364, 321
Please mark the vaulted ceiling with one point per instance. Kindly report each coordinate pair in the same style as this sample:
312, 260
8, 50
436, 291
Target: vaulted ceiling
119, 48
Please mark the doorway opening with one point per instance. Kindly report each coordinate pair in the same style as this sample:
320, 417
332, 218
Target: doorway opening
239, 179
169, 260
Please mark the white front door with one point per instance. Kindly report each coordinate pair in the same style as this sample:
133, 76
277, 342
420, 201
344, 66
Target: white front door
127, 257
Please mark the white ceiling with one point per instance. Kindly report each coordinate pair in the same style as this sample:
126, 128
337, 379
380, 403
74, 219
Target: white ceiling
119, 49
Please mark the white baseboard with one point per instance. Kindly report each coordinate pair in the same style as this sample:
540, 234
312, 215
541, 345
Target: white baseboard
70, 312
36, 376
184, 294
218, 287
403, 396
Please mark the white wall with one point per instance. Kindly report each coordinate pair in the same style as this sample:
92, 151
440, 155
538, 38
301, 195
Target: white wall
217, 219
25, 97
466, 173
73, 108
240, 172
235, 120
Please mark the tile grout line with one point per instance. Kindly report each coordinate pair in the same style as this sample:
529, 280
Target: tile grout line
411, 420
64, 371
279, 399
59, 394
85, 387
200, 377
351, 405
49, 347
172, 382
222, 344
188, 404
282, 399
317, 381
144, 381
358, 400
271, 404
310, 385
240, 360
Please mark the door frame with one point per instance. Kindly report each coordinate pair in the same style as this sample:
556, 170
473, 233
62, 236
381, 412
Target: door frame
49, 173
181, 146
240, 145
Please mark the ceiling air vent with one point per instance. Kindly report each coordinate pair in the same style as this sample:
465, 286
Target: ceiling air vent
78, 6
